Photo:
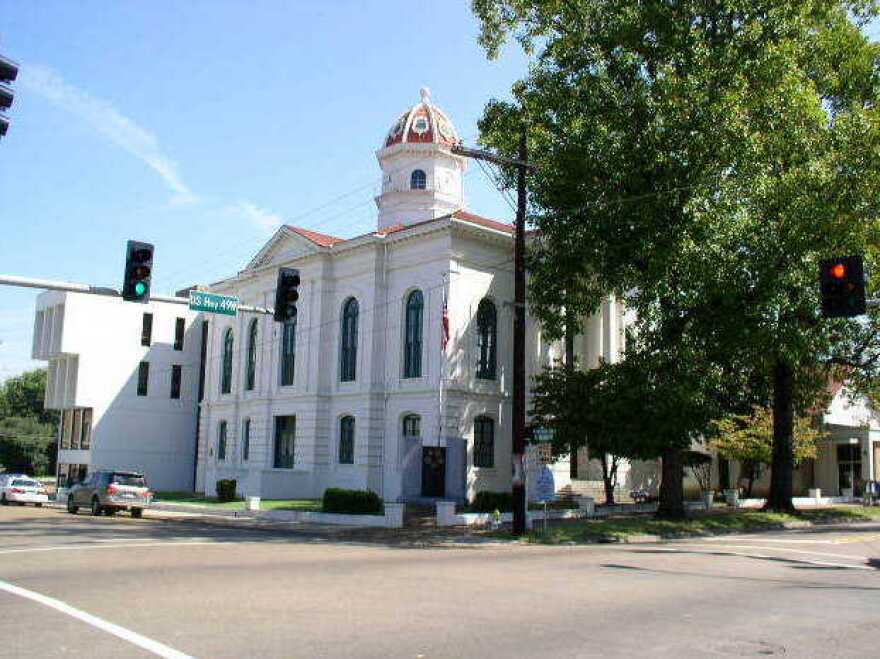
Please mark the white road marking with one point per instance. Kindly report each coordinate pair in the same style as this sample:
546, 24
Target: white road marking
134, 638
26, 550
796, 551
723, 550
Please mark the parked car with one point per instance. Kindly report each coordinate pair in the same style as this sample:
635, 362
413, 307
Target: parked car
22, 489
108, 491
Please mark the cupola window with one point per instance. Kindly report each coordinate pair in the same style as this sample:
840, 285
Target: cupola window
420, 125
418, 180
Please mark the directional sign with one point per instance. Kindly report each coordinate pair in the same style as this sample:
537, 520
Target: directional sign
213, 303
541, 434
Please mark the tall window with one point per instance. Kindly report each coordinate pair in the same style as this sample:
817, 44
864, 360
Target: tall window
412, 355
147, 329
175, 380
484, 442
412, 425
288, 352
143, 378
251, 374
487, 340
346, 440
221, 441
285, 432
226, 373
246, 440
179, 328
348, 348
418, 180
86, 439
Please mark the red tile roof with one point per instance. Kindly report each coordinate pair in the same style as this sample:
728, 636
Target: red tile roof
482, 221
321, 239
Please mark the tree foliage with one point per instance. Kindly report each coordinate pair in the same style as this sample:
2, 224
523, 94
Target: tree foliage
698, 159
27, 430
749, 437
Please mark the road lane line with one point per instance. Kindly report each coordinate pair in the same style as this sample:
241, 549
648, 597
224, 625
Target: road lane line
715, 550
25, 550
794, 551
134, 638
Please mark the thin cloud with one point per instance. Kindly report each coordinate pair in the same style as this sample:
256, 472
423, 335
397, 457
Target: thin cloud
262, 218
109, 122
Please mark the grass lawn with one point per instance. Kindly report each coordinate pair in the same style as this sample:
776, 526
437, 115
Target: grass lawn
615, 529
196, 499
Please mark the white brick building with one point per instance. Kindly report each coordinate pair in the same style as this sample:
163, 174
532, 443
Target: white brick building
358, 392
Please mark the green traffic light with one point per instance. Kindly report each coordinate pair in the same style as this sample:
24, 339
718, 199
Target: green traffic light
140, 288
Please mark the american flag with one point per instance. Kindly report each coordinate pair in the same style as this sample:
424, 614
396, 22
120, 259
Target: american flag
444, 337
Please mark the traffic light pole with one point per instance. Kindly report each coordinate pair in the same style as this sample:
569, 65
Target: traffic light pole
519, 321
53, 285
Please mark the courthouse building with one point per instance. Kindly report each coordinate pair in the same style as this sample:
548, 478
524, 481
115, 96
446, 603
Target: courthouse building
396, 374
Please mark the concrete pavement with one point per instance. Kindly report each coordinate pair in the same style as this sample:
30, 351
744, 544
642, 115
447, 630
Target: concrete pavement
210, 591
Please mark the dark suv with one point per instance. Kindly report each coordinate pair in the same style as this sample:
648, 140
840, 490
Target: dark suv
109, 491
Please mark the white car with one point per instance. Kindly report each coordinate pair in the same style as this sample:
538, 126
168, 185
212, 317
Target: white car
22, 490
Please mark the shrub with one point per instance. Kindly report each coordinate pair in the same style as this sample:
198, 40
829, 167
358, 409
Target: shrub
226, 489
487, 502
352, 502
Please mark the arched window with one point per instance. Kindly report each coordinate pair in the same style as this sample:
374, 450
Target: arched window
221, 441
348, 347
412, 354
226, 374
412, 425
487, 340
484, 442
418, 180
288, 351
251, 375
346, 440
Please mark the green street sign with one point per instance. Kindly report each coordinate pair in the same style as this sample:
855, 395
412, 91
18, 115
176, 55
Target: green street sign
541, 434
213, 303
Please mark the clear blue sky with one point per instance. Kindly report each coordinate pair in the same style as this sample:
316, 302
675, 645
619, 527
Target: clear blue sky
200, 125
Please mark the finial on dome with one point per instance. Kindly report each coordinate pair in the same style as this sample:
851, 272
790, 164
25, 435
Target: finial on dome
425, 93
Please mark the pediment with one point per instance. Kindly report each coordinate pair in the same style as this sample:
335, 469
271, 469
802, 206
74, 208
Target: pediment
285, 245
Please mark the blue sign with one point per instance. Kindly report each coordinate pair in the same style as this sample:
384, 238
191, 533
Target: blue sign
545, 485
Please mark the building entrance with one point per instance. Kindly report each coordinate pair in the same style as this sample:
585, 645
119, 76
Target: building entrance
433, 471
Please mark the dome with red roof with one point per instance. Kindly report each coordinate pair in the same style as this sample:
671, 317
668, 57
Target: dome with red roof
424, 123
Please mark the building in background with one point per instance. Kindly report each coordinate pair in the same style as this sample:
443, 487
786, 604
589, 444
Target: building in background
125, 378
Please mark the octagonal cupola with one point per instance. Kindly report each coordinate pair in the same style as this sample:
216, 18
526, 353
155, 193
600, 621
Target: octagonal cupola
421, 177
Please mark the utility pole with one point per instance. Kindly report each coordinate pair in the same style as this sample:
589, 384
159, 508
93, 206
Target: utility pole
519, 321
519, 345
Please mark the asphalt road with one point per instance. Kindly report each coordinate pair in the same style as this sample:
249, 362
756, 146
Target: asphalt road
118, 587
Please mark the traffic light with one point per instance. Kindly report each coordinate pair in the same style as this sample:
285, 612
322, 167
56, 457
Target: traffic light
286, 294
138, 270
8, 73
842, 285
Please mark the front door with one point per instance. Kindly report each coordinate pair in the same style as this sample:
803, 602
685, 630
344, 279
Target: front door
433, 471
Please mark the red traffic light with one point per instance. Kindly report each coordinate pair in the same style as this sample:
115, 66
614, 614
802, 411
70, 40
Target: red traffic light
838, 271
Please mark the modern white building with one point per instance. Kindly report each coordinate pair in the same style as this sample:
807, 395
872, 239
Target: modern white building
363, 390
125, 378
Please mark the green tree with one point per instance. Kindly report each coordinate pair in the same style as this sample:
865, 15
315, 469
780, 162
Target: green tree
23, 396
26, 445
748, 438
699, 159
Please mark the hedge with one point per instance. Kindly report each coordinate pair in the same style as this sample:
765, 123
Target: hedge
489, 502
352, 502
226, 489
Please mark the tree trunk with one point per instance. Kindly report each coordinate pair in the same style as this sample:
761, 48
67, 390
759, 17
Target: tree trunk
671, 486
607, 481
569, 366
782, 469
